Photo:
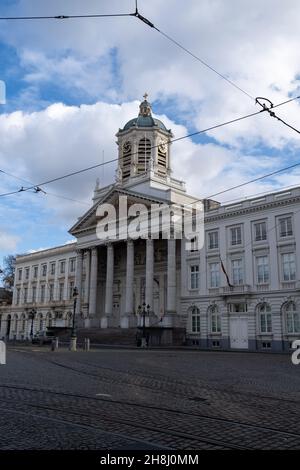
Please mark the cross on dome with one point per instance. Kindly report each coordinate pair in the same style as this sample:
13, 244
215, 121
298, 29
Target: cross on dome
145, 107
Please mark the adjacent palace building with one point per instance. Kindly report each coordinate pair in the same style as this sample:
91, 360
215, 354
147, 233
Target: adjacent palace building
241, 290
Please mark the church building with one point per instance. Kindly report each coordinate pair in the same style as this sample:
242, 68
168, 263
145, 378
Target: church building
236, 287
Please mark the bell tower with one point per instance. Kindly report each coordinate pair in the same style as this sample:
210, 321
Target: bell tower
144, 147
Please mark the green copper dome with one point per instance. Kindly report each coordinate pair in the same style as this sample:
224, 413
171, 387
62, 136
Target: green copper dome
144, 121
144, 118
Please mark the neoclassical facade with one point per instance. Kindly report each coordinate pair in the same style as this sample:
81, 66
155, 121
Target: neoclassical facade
240, 289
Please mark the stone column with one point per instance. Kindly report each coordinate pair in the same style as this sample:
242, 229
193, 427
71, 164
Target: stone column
87, 276
125, 320
93, 283
109, 281
149, 273
78, 280
171, 283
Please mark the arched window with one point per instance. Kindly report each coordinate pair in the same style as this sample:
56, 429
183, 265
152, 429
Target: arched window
265, 318
195, 320
144, 154
215, 319
292, 318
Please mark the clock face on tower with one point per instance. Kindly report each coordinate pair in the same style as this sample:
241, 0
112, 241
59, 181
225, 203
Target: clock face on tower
127, 147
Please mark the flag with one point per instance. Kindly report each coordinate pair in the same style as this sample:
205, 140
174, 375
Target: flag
225, 273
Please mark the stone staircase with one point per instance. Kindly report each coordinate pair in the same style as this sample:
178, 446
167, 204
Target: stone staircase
108, 336
126, 337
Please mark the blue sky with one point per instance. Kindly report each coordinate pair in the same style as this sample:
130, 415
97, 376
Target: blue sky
71, 85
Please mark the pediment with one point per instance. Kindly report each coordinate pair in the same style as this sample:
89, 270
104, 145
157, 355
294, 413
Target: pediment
89, 220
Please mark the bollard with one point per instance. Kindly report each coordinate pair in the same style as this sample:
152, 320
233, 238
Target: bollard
54, 344
86, 344
73, 343
2, 353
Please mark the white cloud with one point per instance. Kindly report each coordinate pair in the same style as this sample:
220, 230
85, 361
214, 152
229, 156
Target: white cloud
254, 43
62, 139
8, 242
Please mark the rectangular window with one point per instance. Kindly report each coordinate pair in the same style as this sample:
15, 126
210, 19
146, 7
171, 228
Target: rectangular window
71, 287
289, 267
214, 270
35, 272
62, 267
213, 240
61, 291
237, 271
285, 227
236, 236
260, 231
51, 292
19, 274
195, 276
262, 263
18, 295
33, 293
72, 265
238, 308
52, 269
25, 295
43, 293
44, 270
26, 273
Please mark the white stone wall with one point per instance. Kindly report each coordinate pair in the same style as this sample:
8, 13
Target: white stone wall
275, 293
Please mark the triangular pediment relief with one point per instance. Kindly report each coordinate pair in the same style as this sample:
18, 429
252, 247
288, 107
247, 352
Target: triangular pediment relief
89, 220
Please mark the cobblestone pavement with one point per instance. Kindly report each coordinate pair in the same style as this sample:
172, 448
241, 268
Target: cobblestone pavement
148, 399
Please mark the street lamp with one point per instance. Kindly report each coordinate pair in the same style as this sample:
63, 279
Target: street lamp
73, 333
143, 312
32, 315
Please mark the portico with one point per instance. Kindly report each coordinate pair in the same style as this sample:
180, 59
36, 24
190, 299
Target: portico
127, 273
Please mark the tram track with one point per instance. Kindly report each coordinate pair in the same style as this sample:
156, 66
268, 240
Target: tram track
134, 423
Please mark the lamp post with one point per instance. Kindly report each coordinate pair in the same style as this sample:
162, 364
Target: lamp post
143, 312
32, 315
73, 341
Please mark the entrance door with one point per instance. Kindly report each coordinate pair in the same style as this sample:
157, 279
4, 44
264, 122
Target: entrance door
239, 333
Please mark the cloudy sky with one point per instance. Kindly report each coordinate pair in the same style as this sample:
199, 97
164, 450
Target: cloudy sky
71, 84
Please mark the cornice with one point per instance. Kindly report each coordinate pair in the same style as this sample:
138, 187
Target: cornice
250, 210
49, 251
